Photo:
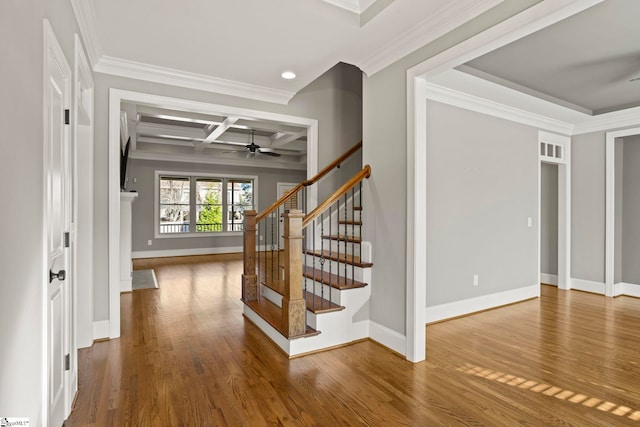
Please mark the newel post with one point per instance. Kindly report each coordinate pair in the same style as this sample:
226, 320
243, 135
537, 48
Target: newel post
249, 277
294, 305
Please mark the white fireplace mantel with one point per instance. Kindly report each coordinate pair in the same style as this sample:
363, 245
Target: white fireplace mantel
126, 265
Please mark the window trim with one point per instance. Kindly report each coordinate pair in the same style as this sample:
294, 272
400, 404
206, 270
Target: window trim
193, 176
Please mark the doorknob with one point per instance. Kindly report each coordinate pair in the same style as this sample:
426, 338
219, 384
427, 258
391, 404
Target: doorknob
60, 275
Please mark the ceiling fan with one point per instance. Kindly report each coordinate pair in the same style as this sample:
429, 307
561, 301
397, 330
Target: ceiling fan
254, 148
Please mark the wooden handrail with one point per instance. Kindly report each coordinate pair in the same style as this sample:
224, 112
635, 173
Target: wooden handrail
333, 164
289, 194
364, 173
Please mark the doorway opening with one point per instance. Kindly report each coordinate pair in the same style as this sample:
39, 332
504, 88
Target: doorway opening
116, 99
622, 275
554, 209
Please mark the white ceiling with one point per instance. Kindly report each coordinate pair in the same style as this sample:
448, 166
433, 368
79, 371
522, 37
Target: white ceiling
241, 47
251, 42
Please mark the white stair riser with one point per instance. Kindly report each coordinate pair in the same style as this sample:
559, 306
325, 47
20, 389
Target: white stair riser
350, 230
336, 296
336, 267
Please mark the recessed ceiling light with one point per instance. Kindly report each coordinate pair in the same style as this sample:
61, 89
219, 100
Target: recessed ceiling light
288, 75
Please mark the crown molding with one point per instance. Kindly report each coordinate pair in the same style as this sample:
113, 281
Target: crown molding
86, 17
605, 122
169, 76
444, 20
350, 5
609, 121
495, 109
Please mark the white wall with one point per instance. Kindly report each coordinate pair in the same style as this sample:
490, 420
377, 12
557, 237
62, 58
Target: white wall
22, 282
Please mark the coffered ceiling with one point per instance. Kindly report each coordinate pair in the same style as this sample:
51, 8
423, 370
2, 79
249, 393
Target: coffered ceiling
163, 134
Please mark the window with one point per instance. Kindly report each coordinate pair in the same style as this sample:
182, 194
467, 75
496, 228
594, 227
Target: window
202, 205
208, 205
174, 205
240, 198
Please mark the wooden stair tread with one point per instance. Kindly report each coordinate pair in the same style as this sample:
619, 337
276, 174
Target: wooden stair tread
343, 237
272, 314
344, 258
357, 208
319, 305
349, 222
331, 279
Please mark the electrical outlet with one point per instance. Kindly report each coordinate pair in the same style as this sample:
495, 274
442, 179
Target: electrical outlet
149, 242
529, 222
475, 280
261, 237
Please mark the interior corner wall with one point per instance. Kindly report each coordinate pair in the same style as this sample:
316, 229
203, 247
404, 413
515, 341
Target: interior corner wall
482, 186
630, 233
22, 245
332, 99
144, 207
588, 207
385, 150
549, 219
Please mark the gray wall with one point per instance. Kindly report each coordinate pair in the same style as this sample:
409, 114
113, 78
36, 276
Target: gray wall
22, 243
143, 207
334, 99
630, 234
588, 206
482, 181
385, 138
618, 208
549, 219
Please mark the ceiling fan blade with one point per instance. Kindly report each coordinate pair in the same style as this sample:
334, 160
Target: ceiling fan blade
269, 153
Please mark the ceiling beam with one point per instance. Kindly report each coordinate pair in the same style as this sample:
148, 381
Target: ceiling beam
281, 139
152, 129
182, 116
217, 132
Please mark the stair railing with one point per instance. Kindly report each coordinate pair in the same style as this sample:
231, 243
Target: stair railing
268, 263
327, 247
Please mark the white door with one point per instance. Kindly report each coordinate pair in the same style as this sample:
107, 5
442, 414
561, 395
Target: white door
57, 219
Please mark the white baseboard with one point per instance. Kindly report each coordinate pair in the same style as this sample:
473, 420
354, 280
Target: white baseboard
549, 279
126, 285
460, 308
361, 330
588, 286
101, 330
628, 289
388, 337
185, 252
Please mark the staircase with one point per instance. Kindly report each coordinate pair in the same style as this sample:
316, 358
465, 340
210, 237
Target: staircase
306, 290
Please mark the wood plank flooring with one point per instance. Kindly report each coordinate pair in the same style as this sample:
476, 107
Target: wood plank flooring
187, 357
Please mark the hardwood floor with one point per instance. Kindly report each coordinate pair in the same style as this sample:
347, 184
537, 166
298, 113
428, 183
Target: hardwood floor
187, 357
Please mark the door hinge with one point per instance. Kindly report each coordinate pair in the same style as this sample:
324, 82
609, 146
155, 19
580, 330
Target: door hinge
67, 362
67, 239
67, 113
